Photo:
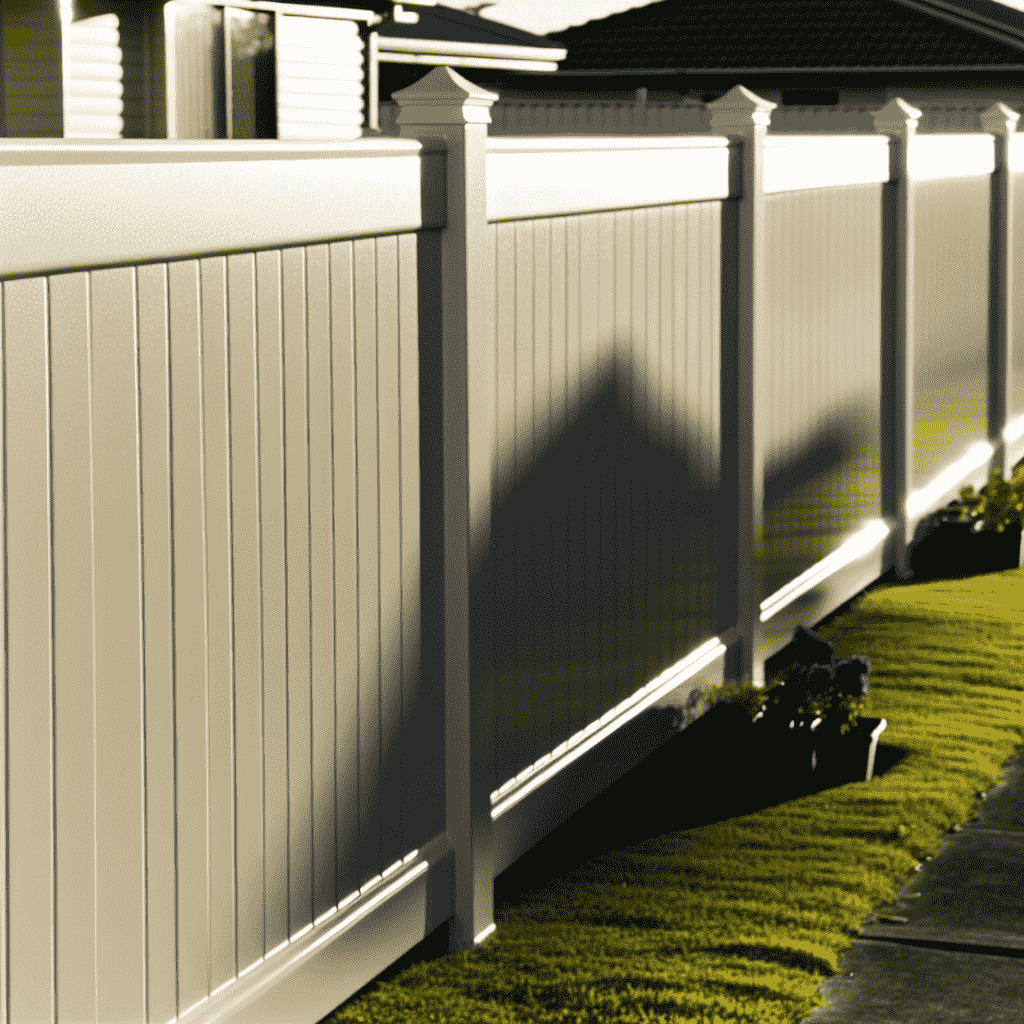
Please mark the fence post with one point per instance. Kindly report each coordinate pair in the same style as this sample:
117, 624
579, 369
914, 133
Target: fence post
443, 105
741, 115
897, 119
999, 120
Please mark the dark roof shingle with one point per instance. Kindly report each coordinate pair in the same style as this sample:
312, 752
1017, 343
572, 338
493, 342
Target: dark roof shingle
731, 34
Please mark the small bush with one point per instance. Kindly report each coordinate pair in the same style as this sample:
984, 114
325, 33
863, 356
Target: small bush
834, 693
998, 507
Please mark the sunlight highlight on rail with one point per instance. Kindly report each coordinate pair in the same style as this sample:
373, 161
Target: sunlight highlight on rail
858, 545
920, 500
565, 753
352, 918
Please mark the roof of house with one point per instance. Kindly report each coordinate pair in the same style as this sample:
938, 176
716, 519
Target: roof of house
456, 26
440, 22
800, 34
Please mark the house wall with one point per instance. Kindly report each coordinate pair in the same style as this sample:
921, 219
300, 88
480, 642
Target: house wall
320, 68
143, 55
33, 93
92, 82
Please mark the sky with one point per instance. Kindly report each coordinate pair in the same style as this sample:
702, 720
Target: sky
543, 17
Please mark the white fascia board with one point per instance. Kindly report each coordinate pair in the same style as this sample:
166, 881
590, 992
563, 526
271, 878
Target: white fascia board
455, 61
300, 10
391, 44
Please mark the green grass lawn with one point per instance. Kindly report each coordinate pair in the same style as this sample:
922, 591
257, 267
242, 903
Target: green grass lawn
692, 891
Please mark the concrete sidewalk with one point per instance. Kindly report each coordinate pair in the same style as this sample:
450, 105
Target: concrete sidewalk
960, 955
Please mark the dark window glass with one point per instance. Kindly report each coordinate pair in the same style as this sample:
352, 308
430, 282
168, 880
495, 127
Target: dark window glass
252, 82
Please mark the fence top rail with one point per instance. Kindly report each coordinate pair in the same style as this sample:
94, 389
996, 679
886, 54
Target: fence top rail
509, 144
88, 206
951, 155
555, 177
794, 162
68, 152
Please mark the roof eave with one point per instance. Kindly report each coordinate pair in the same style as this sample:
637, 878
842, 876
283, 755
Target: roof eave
993, 28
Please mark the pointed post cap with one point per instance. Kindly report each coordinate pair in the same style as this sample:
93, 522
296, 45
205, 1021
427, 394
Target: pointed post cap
740, 110
443, 96
999, 119
897, 117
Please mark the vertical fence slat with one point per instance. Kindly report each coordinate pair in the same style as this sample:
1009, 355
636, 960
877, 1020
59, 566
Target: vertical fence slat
155, 431
246, 582
529, 705
576, 597
216, 438
5, 990
622, 496
270, 369
561, 441
643, 400
346, 608
605, 478
30, 837
389, 489
364, 252
508, 682
296, 385
421, 750
712, 218
190, 622
540, 493
671, 342
321, 567
687, 397
656, 473
70, 366
120, 754
597, 393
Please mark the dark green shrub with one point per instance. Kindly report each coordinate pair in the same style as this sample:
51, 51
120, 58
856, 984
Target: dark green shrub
997, 507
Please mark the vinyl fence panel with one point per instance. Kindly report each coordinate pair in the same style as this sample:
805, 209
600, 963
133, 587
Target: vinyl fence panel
822, 472
624, 475
206, 467
951, 290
